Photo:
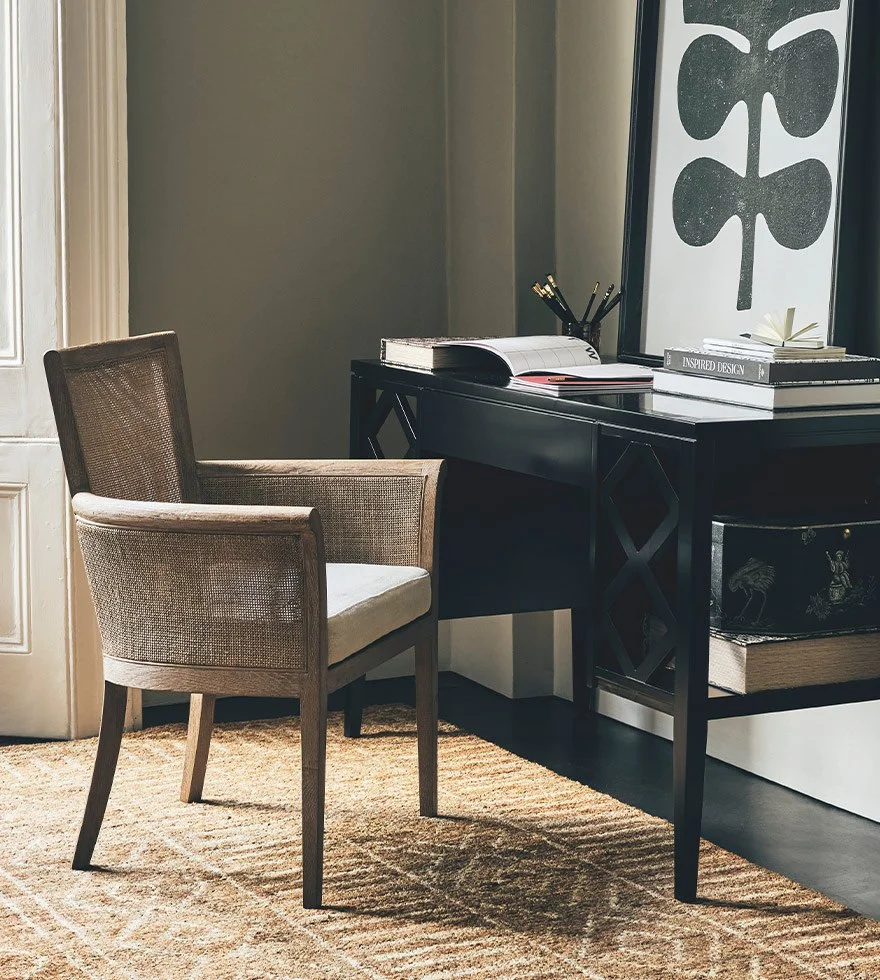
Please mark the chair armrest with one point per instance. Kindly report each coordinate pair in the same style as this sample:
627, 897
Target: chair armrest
200, 585
380, 512
205, 518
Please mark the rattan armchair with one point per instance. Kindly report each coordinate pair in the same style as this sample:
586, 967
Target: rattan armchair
269, 578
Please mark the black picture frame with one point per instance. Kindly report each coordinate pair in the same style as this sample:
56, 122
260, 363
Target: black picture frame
850, 221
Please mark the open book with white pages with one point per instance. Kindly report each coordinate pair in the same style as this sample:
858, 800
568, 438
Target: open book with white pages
516, 354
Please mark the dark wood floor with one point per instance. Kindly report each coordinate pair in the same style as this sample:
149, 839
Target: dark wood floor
815, 844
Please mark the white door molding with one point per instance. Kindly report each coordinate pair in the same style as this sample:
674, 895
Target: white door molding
94, 204
94, 169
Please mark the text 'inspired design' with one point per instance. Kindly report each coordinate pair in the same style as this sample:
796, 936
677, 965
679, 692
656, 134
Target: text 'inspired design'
714, 76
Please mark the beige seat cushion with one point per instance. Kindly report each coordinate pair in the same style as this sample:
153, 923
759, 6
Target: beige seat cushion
364, 602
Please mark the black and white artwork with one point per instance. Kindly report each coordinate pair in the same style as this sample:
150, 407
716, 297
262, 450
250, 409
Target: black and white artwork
745, 166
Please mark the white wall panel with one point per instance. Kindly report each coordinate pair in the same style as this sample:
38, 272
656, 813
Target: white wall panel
34, 663
14, 569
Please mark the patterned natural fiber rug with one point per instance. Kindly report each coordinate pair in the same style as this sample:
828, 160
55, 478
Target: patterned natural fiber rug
526, 875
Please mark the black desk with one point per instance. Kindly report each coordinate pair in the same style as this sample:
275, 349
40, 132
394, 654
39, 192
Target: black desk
603, 505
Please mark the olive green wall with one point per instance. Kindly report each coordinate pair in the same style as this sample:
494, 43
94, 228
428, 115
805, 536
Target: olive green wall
287, 202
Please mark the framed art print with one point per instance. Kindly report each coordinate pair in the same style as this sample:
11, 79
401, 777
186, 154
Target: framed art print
739, 149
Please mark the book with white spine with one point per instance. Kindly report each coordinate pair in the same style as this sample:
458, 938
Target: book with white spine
831, 394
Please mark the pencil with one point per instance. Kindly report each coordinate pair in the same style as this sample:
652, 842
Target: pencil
590, 302
549, 299
601, 306
609, 307
550, 294
557, 308
555, 287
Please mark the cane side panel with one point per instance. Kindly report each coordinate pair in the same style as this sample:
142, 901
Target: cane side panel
201, 600
370, 519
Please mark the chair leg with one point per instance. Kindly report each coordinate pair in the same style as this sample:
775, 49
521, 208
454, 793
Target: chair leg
313, 720
198, 744
426, 722
109, 741
354, 707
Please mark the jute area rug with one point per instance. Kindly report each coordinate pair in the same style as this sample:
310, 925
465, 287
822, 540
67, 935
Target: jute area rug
525, 875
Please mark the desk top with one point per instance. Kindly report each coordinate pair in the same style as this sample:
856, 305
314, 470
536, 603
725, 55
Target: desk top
650, 411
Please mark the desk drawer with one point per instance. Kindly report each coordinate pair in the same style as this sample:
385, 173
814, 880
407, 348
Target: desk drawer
507, 436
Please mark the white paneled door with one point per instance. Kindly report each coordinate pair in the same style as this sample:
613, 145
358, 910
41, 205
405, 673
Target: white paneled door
49, 51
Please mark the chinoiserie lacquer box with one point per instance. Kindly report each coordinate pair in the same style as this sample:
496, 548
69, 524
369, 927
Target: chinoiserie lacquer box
794, 578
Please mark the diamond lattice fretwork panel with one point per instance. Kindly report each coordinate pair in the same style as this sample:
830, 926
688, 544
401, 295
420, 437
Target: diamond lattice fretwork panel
392, 427
639, 509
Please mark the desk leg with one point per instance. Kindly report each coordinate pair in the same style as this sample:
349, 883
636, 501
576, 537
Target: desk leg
689, 764
582, 680
691, 664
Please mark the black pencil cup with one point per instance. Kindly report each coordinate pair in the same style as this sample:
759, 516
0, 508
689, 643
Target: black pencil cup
573, 329
590, 331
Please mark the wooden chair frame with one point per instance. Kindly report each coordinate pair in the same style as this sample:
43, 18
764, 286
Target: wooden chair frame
192, 516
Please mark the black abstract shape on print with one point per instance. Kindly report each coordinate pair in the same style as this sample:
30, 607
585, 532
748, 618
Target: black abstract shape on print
795, 202
714, 76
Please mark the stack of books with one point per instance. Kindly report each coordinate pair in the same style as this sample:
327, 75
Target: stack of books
754, 373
